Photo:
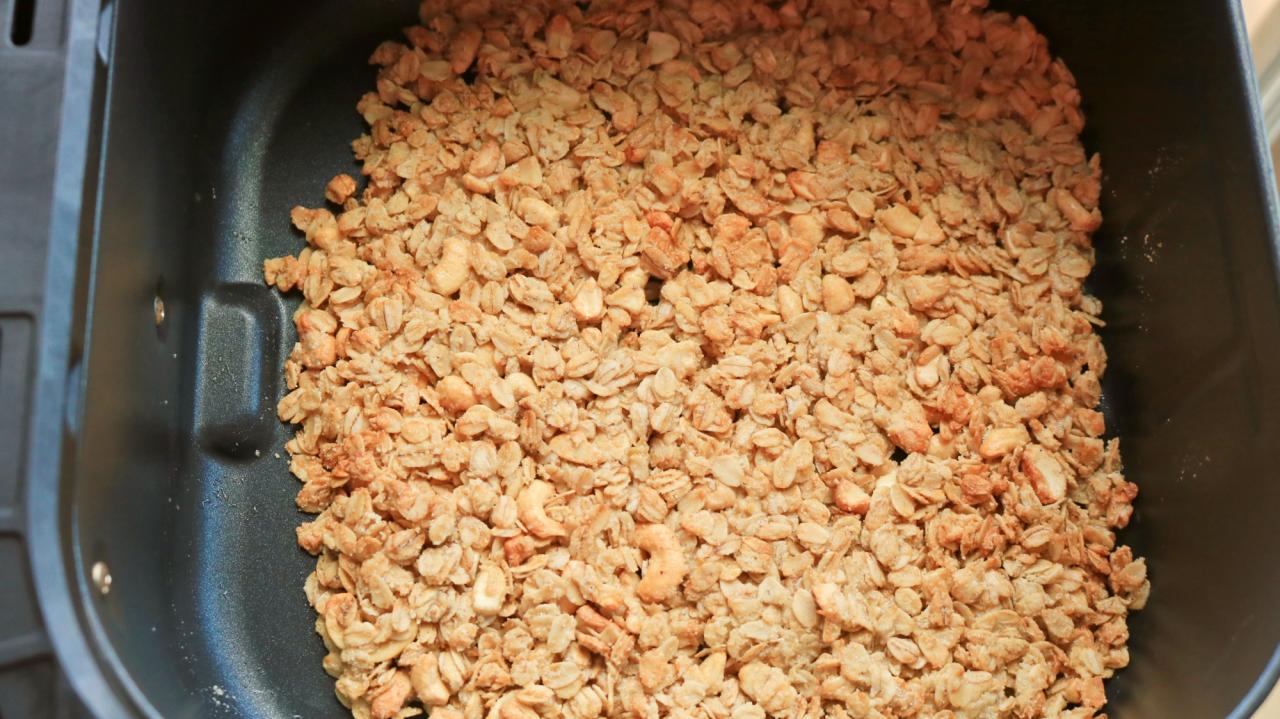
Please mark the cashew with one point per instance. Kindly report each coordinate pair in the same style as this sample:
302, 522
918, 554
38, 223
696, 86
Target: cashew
1002, 440
521, 385
1047, 476
451, 271
490, 590
829, 598
531, 509
427, 684
852, 498
340, 612
666, 568
455, 394
537, 212
837, 295
315, 334
388, 702
517, 550
901, 221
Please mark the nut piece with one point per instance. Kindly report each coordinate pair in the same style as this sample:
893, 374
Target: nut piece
389, 700
852, 498
427, 684
538, 212
490, 590
1002, 440
530, 508
837, 295
1046, 473
517, 550
901, 221
455, 394
451, 271
666, 568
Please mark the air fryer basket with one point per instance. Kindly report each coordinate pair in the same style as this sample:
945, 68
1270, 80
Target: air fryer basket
169, 469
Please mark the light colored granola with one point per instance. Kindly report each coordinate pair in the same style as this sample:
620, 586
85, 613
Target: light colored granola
711, 358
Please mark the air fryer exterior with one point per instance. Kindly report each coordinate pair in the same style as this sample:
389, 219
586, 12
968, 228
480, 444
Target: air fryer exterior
155, 450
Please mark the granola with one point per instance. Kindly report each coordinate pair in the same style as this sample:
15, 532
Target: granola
710, 358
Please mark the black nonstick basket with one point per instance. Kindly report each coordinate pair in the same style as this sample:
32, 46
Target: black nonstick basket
150, 151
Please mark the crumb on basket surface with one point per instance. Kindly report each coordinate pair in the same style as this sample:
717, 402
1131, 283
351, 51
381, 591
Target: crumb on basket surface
711, 358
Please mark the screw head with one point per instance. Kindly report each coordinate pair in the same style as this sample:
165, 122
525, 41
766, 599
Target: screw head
157, 305
101, 577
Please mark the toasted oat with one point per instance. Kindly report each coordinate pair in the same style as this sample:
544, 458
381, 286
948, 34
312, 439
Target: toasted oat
711, 359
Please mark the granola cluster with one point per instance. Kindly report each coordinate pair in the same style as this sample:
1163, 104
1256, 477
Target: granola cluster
711, 358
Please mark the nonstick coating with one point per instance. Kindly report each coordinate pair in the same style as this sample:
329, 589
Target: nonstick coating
224, 115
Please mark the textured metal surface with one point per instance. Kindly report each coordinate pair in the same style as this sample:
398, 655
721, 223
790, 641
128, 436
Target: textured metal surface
181, 457
224, 115
34, 57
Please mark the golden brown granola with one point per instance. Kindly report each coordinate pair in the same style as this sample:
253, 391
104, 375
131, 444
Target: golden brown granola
711, 358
